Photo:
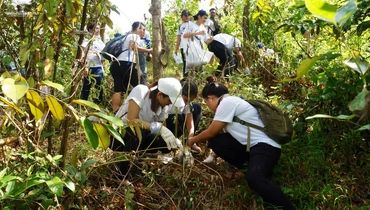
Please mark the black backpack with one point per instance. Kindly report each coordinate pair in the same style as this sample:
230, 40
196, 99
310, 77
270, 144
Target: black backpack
114, 47
277, 124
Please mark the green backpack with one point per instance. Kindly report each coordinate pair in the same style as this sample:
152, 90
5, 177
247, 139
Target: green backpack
278, 126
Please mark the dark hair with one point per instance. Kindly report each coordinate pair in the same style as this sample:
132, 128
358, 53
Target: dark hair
189, 88
212, 9
200, 14
185, 13
154, 105
136, 25
213, 88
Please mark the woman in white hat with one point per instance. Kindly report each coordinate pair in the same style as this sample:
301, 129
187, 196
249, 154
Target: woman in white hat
148, 107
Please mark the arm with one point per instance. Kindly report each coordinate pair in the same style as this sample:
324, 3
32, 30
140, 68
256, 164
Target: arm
213, 129
133, 115
240, 56
178, 40
191, 34
189, 123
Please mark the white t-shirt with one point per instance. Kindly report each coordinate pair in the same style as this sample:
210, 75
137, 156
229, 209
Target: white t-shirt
93, 55
129, 54
231, 106
185, 28
140, 95
210, 25
229, 41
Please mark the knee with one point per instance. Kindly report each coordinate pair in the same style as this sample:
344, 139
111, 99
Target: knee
254, 180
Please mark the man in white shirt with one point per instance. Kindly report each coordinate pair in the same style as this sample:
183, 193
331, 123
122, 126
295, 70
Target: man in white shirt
95, 72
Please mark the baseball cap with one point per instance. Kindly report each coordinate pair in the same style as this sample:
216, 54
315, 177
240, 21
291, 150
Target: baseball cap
171, 87
185, 13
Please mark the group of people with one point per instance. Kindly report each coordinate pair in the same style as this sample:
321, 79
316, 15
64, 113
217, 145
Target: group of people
165, 109
206, 31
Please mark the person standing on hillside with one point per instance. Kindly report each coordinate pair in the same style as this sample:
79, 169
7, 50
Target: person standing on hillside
95, 72
145, 42
212, 23
123, 69
181, 41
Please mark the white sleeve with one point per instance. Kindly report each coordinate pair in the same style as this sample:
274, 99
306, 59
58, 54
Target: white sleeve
138, 94
225, 111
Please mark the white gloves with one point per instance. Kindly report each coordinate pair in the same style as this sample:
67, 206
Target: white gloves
171, 141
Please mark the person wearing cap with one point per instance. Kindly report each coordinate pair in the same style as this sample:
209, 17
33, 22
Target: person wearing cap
181, 41
223, 46
123, 69
148, 107
186, 117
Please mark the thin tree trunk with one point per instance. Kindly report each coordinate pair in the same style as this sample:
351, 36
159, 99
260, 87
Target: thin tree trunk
68, 120
155, 10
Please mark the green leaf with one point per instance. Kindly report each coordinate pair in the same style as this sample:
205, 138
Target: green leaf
90, 133
87, 103
87, 164
11, 104
55, 108
359, 102
322, 10
2, 173
114, 133
70, 185
339, 117
56, 185
36, 104
303, 68
14, 88
346, 12
113, 119
21, 188
103, 135
10, 187
53, 85
365, 127
357, 64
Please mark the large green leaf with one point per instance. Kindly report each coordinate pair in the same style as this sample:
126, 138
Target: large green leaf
345, 12
365, 127
53, 85
56, 185
357, 64
114, 120
303, 68
90, 133
359, 102
87, 103
55, 108
103, 135
14, 88
114, 133
321, 9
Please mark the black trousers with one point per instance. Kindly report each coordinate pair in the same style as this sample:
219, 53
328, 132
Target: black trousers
184, 72
261, 161
178, 131
224, 55
124, 74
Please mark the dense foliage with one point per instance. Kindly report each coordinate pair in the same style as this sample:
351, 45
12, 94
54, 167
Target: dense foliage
319, 74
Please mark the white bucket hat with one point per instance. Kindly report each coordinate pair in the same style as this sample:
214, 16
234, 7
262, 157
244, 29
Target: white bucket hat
171, 87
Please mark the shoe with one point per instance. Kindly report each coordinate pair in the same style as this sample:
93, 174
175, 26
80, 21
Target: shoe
211, 157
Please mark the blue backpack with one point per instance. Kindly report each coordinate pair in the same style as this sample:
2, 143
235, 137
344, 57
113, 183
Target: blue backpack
114, 47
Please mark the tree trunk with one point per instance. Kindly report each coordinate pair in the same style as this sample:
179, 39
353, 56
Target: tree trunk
246, 12
155, 10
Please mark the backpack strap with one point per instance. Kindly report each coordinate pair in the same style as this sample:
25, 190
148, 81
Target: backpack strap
248, 125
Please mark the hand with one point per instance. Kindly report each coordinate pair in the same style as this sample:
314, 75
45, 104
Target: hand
171, 141
190, 141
